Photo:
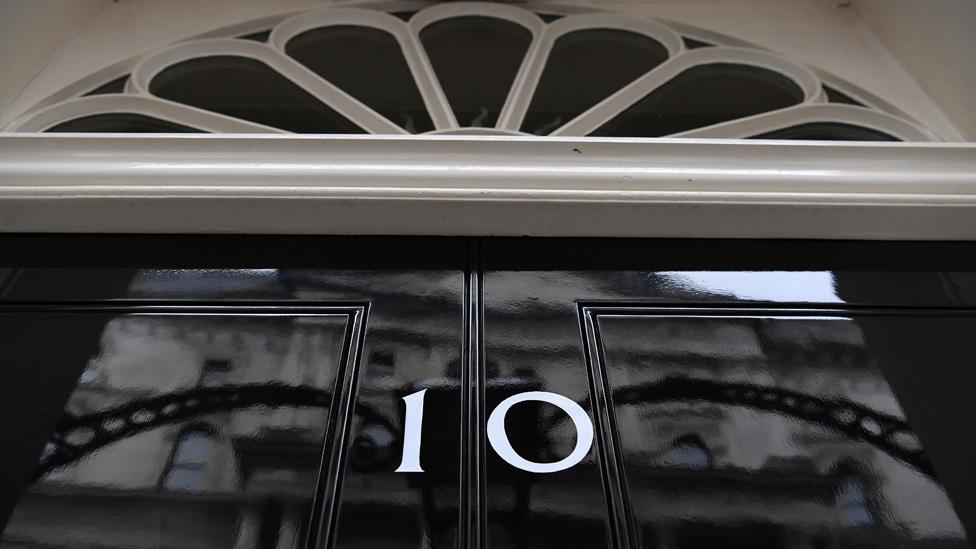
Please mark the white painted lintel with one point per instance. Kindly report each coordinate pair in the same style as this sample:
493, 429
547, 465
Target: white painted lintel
486, 185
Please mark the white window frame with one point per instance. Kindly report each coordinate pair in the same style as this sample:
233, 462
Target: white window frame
430, 91
317, 87
610, 107
528, 79
407, 34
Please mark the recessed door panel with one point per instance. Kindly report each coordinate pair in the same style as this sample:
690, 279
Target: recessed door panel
186, 393
765, 430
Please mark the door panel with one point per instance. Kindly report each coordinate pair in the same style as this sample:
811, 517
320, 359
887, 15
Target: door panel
280, 370
767, 429
191, 429
742, 396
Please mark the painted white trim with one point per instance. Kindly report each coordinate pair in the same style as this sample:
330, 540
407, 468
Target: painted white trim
328, 94
805, 114
481, 185
439, 12
423, 74
528, 80
138, 104
610, 107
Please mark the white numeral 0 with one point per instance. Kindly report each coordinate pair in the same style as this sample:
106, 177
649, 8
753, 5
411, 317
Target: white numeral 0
497, 437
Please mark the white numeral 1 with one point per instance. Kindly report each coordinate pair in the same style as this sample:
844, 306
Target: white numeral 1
410, 463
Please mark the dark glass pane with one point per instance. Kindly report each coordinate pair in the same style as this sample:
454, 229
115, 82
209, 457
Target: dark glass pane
368, 64
704, 95
693, 44
121, 122
550, 17
145, 452
116, 85
476, 60
250, 90
828, 131
260, 36
404, 15
577, 74
836, 96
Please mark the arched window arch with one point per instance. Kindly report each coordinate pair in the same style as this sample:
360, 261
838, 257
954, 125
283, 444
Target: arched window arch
193, 451
472, 67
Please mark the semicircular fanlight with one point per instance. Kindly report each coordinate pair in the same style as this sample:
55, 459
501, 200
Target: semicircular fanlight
470, 67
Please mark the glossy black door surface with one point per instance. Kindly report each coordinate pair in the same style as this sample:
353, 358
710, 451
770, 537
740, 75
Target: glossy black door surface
743, 394
240, 399
249, 392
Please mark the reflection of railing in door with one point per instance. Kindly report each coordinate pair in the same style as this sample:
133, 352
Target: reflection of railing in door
76, 436
888, 433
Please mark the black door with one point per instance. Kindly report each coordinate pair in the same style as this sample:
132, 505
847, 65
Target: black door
253, 392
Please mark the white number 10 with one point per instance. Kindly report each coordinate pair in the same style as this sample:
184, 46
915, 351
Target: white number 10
497, 437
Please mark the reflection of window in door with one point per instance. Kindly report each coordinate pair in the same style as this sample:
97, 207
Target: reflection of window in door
187, 469
852, 499
688, 452
215, 372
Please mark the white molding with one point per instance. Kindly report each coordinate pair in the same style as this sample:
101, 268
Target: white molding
137, 104
423, 75
526, 83
486, 185
327, 93
805, 114
604, 111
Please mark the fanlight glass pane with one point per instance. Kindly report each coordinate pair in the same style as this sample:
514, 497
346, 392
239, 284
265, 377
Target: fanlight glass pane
116, 85
702, 96
584, 68
828, 131
368, 64
476, 60
694, 44
250, 90
121, 122
404, 15
836, 96
260, 36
